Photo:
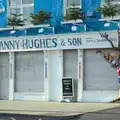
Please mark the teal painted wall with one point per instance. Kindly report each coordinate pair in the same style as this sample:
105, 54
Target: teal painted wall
89, 8
53, 6
3, 16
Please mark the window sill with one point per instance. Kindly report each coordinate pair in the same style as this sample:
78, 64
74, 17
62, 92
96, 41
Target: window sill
109, 19
72, 21
26, 27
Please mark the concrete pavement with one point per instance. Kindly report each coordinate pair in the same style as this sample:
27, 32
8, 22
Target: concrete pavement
54, 108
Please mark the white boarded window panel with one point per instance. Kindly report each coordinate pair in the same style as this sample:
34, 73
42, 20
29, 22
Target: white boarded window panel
29, 72
98, 73
4, 76
70, 63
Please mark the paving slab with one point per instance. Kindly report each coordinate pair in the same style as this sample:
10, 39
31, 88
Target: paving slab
52, 108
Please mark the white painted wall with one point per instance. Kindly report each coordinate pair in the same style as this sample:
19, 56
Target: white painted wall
46, 71
29, 96
80, 75
11, 75
55, 76
99, 96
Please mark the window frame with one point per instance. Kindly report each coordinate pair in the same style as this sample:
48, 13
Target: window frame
64, 11
21, 7
117, 17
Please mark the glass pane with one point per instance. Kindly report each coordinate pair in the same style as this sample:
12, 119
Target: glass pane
15, 10
73, 2
15, 2
27, 1
27, 13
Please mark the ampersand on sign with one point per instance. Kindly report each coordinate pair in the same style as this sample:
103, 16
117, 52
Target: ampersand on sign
62, 42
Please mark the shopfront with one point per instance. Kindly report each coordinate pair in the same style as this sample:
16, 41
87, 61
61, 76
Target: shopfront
32, 67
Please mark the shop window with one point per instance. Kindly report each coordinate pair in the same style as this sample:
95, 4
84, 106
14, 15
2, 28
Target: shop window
26, 7
27, 1
71, 4
113, 2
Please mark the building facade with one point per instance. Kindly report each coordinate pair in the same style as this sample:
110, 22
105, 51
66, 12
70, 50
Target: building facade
34, 59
